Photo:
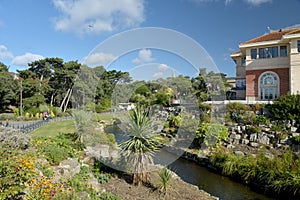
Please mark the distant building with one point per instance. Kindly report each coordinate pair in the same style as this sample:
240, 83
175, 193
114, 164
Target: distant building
268, 66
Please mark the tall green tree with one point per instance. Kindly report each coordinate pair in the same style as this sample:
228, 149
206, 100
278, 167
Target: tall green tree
8, 88
107, 84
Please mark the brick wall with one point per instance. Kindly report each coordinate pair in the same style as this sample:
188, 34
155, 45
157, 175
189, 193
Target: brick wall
252, 77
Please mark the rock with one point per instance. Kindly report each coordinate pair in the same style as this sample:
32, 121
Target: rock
235, 136
263, 139
98, 151
245, 141
243, 128
235, 141
253, 137
254, 144
239, 153
295, 134
68, 168
294, 129
93, 182
284, 141
230, 146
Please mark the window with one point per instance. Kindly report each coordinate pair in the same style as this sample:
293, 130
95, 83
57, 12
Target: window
243, 61
253, 53
298, 45
269, 86
283, 51
268, 52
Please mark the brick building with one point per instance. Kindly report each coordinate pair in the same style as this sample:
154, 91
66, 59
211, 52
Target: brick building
268, 66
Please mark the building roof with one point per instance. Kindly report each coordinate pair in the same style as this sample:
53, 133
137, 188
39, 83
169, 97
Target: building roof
273, 35
236, 53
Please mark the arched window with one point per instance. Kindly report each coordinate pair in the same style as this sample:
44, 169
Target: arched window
269, 86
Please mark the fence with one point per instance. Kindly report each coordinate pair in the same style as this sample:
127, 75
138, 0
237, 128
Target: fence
26, 127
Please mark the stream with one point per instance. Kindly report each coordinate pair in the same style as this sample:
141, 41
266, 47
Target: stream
215, 184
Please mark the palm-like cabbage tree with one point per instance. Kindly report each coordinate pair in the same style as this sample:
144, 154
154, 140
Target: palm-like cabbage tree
139, 148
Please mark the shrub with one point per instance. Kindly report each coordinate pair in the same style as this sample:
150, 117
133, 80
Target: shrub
210, 134
13, 138
296, 140
261, 119
16, 169
286, 107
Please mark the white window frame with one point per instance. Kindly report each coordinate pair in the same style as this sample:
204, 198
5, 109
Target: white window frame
260, 86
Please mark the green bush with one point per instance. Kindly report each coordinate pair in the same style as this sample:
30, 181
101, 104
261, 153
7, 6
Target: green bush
16, 169
255, 129
296, 140
55, 154
210, 134
286, 107
279, 173
260, 120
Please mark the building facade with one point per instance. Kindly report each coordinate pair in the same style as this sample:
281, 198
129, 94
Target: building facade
268, 66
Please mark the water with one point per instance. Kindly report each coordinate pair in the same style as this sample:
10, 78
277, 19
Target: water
188, 171
215, 184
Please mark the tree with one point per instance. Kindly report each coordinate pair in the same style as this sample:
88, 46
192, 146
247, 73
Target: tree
107, 84
139, 148
8, 88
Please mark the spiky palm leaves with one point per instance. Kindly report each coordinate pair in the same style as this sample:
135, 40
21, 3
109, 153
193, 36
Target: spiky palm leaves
139, 148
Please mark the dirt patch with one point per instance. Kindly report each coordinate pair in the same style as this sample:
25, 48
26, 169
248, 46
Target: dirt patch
178, 190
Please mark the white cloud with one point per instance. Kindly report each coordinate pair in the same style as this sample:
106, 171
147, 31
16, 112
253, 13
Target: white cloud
23, 60
251, 2
99, 59
258, 2
4, 53
94, 16
163, 67
145, 56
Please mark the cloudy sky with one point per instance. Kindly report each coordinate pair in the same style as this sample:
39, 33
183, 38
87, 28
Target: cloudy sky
72, 29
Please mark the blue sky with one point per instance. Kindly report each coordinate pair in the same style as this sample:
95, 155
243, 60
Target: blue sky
72, 29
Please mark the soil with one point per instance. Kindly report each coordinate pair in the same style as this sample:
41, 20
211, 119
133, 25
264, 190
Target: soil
178, 189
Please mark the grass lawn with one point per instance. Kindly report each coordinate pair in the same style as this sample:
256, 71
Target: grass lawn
68, 126
54, 128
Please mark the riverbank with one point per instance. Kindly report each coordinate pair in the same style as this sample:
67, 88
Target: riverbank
237, 174
178, 190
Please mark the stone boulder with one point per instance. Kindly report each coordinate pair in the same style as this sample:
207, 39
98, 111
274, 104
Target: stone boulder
68, 168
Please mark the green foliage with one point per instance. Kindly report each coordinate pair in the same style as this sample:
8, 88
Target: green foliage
255, 129
210, 134
58, 148
260, 120
9, 89
296, 140
79, 183
16, 169
82, 122
165, 176
278, 127
139, 148
286, 107
103, 106
280, 173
